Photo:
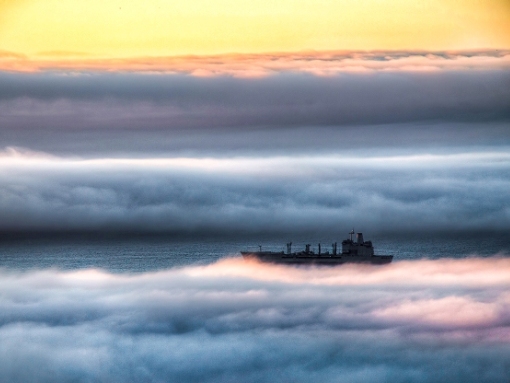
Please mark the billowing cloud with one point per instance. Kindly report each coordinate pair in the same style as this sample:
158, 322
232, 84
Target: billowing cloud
420, 321
465, 191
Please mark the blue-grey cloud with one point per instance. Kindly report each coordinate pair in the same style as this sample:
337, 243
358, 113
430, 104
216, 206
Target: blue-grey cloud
419, 321
467, 191
284, 123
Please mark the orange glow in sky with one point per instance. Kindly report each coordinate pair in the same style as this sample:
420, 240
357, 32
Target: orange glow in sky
135, 28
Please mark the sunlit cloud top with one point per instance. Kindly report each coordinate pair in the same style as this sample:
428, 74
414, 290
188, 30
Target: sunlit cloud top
319, 63
12, 157
134, 28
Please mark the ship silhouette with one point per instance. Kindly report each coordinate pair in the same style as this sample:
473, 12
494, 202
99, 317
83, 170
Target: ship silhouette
358, 251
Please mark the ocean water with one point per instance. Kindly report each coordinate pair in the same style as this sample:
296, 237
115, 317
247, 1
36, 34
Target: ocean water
141, 253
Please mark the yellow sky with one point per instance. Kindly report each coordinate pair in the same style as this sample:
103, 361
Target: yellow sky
131, 28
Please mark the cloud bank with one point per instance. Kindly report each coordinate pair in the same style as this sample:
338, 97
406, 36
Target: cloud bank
405, 149
465, 191
417, 321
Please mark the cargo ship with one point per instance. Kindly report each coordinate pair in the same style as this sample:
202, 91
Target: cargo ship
353, 251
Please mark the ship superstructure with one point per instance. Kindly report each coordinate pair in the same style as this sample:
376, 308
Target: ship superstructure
358, 251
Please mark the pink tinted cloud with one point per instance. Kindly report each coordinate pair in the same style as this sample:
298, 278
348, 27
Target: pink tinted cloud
430, 319
451, 311
259, 65
494, 271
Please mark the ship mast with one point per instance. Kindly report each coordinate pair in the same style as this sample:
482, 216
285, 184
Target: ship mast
351, 233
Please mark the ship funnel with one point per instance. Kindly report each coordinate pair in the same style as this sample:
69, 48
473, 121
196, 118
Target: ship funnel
359, 238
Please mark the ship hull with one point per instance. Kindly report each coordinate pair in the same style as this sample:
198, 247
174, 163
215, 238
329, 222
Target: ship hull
313, 259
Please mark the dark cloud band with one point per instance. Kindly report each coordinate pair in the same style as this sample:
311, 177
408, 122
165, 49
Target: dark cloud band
285, 99
133, 114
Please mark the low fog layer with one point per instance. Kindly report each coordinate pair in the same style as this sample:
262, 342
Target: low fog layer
463, 191
104, 113
420, 321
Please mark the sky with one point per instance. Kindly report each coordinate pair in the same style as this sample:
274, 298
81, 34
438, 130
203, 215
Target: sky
127, 28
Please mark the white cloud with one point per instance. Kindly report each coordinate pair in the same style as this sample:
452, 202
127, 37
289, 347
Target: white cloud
467, 191
236, 320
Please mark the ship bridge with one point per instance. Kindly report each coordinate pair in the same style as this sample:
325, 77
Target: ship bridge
358, 247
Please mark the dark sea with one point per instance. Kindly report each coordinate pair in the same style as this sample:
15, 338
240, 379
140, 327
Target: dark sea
141, 253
